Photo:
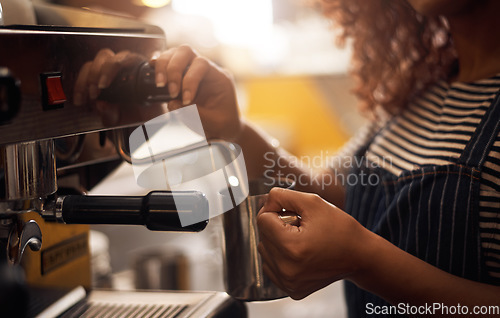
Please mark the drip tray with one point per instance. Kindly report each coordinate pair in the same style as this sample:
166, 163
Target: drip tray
157, 304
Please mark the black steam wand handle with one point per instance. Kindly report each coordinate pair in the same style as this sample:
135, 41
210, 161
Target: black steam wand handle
157, 210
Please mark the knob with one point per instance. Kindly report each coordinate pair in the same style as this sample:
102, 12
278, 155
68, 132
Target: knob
135, 85
10, 95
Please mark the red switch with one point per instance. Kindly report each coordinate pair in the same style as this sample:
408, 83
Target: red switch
55, 93
53, 96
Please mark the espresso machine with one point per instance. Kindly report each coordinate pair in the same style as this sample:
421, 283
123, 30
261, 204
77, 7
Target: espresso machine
52, 151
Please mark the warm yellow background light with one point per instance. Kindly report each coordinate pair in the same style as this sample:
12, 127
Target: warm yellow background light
155, 3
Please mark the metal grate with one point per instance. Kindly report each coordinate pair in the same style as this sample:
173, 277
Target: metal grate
106, 310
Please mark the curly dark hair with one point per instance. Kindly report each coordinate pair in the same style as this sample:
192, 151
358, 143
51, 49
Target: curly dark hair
397, 52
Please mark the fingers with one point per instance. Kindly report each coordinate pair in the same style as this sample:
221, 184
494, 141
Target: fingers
300, 260
273, 277
179, 62
269, 266
274, 232
181, 69
271, 227
266, 256
170, 68
282, 276
298, 202
160, 64
196, 72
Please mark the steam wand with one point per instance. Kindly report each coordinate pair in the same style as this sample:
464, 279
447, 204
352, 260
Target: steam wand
185, 211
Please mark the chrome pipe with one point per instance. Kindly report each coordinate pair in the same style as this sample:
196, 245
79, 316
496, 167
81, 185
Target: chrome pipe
29, 170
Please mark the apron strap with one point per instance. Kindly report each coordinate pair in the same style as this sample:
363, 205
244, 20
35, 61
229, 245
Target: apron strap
478, 147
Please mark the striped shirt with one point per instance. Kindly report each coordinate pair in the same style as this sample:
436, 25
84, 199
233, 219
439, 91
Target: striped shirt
434, 128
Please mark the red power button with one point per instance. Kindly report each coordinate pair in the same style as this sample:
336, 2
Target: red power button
52, 91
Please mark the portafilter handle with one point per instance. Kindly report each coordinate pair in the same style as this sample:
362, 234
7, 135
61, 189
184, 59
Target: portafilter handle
158, 210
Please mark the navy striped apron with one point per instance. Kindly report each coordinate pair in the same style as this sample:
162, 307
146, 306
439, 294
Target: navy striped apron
431, 212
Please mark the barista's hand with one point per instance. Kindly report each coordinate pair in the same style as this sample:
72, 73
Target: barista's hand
193, 79
98, 74
329, 244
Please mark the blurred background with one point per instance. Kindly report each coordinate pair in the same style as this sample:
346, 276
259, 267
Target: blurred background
290, 75
291, 80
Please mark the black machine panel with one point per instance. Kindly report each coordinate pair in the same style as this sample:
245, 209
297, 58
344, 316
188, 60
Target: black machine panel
45, 62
